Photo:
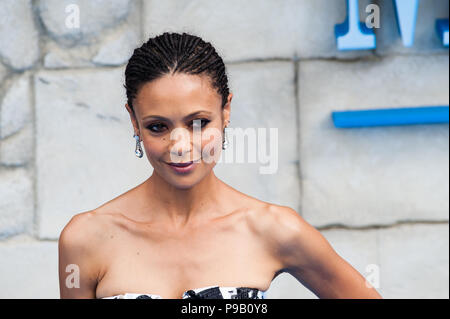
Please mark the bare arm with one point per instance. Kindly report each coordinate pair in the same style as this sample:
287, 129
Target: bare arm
78, 267
306, 254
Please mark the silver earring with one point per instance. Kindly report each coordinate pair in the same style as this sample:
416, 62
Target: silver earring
225, 139
138, 150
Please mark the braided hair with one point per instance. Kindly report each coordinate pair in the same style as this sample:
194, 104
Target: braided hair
170, 53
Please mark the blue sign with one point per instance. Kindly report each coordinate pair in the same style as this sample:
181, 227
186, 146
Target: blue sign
392, 116
355, 35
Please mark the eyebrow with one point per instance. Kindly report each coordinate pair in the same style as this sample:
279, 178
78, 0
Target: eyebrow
166, 119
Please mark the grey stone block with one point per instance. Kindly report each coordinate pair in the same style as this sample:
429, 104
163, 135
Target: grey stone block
409, 261
17, 22
263, 97
248, 30
95, 16
414, 261
29, 269
15, 106
375, 175
16, 202
3, 73
17, 150
99, 41
85, 149
118, 48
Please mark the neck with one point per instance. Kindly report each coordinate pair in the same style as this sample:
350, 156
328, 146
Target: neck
181, 207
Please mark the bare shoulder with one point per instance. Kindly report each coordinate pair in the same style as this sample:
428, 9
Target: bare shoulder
263, 217
305, 253
290, 238
83, 237
82, 227
280, 228
276, 221
87, 231
78, 247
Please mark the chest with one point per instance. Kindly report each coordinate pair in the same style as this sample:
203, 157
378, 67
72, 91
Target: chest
170, 263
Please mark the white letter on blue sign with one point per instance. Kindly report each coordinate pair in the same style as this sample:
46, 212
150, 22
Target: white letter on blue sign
353, 34
406, 18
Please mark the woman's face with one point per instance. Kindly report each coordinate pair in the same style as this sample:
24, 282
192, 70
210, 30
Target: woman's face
165, 110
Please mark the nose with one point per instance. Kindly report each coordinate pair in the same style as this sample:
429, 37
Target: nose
180, 150
180, 145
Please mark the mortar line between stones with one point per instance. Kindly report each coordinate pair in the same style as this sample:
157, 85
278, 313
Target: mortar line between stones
39, 65
297, 130
39, 24
382, 226
344, 60
141, 22
377, 252
35, 228
270, 59
1, 103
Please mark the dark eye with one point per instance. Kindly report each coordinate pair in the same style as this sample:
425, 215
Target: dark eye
203, 122
155, 127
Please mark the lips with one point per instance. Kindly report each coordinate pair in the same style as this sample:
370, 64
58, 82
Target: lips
181, 164
183, 168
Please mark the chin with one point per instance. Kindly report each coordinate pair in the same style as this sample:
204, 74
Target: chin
181, 182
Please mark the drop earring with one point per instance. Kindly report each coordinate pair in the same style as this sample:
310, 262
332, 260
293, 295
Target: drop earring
138, 150
225, 138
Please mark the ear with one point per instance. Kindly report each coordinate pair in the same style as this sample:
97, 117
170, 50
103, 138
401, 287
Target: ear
226, 110
133, 119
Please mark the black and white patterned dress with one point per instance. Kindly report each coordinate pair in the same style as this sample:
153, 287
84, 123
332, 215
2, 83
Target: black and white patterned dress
210, 292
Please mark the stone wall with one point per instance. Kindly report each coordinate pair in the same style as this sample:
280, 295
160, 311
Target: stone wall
379, 195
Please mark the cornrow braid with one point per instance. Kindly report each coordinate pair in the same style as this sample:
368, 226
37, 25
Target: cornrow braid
173, 52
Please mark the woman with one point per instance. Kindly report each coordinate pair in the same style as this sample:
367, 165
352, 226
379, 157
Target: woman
183, 233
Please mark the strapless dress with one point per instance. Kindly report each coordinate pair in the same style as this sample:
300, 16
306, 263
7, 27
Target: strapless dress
210, 292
